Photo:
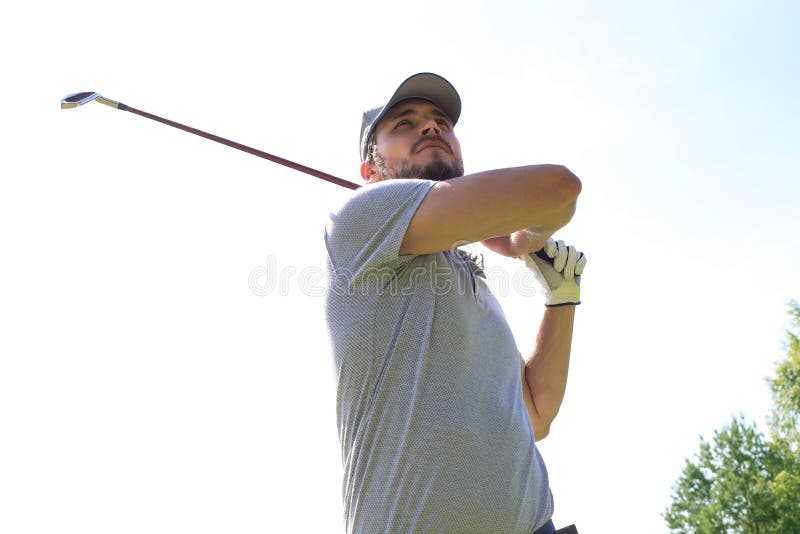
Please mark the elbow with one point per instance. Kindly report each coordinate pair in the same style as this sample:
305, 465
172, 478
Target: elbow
569, 184
541, 431
541, 427
558, 198
565, 196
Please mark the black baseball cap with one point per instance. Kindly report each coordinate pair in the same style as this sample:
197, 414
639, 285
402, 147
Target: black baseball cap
424, 85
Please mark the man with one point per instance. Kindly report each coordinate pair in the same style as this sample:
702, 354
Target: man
437, 411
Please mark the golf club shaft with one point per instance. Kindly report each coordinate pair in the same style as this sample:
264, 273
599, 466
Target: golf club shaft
243, 148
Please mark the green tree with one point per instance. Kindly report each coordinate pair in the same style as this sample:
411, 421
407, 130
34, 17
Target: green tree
785, 387
784, 424
741, 481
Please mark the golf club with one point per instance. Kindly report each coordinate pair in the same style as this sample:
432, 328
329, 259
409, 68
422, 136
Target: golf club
79, 99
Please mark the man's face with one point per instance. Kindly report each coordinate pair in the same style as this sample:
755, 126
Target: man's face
415, 139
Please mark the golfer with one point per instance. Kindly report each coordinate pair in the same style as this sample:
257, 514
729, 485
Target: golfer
437, 410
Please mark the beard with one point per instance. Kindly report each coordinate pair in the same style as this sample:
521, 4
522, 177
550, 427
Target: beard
436, 170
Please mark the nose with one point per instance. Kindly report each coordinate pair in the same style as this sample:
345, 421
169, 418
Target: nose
431, 127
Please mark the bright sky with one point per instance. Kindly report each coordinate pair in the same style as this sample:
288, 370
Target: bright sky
146, 386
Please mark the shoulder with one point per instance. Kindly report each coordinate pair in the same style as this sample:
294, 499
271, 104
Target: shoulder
378, 201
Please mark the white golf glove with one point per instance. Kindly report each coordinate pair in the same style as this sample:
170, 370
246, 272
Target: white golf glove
558, 269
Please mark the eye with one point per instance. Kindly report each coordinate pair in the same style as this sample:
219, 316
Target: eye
443, 122
401, 123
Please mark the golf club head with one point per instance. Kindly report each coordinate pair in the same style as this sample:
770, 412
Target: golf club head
78, 99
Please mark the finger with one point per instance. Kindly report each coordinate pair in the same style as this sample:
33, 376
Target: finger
560, 259
581, 264
572, 259
550, 248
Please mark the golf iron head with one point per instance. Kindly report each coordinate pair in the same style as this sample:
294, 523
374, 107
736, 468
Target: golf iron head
79, 99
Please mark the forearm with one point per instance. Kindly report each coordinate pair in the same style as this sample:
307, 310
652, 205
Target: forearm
547, 367
530, 239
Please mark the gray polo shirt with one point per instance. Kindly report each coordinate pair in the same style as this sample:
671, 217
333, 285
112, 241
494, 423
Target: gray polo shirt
433, 427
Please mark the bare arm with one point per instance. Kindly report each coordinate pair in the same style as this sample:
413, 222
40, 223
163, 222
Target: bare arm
495, 203
520, 242
544, 377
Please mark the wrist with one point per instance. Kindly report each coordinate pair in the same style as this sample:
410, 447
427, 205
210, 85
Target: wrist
568, 293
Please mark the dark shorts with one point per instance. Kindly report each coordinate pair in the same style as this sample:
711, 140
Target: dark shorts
549, 528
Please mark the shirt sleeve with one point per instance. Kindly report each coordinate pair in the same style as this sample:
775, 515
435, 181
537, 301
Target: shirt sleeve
366, 232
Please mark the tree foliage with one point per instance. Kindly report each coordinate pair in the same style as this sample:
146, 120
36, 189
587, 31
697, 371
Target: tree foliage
742, 481
785, 387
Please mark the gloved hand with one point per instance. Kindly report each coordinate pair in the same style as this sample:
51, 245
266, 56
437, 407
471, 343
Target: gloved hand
558, 269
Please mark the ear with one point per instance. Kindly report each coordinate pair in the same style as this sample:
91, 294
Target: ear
370, 172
